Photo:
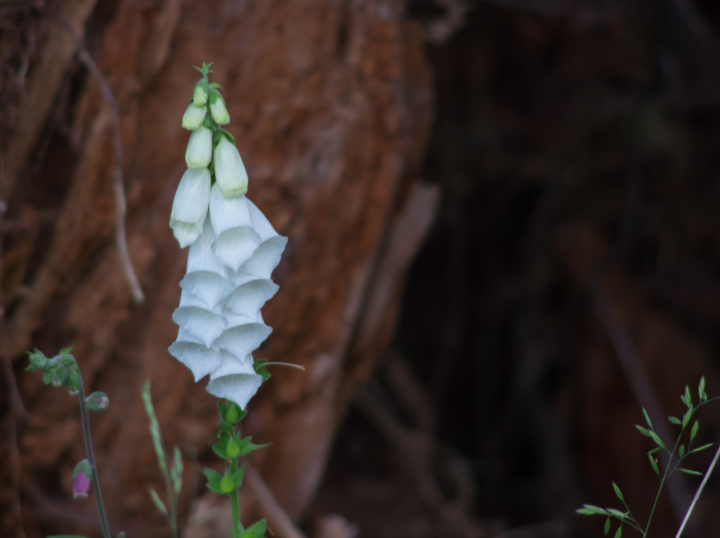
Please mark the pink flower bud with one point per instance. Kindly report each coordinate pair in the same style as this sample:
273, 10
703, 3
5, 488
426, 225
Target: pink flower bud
81, 479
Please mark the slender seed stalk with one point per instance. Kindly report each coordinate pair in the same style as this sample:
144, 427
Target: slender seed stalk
91, 459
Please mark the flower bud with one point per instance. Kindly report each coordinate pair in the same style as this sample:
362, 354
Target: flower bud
200, 95
232, 413
193, 117
73, 382
190, 205
199, 150
97, 401
232, 449
227, 484
217, 108
82, 476
229, 169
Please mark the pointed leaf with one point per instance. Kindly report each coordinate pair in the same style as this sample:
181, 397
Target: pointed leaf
618, 492
654, 465
689, 471
158, 503
701, 390
694, 430
647, 418
682, 450
617, 513
618, 533
213, 476
607, 526
675, 420
704, 447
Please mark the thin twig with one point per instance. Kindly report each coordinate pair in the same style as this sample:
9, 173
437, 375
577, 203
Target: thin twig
698, 493
91, 459
118, 191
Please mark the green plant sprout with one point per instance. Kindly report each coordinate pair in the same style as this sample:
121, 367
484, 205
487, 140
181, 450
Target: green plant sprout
172, 473
678, 454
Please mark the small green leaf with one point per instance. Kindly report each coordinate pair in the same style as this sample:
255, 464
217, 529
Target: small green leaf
220, 452
654, 465
617, 513
682, 450
67, 360
647, 418
694, 430
618, 533
67, 350
688, 397
607, 526
48, 375
618, 492
657, 439
675, 420
701, 390
256, 531
642, 430
689, 471
698, 449
259, 366
158, 503
654, 450
686, 418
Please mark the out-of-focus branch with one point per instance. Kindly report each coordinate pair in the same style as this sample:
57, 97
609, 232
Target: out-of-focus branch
118, 190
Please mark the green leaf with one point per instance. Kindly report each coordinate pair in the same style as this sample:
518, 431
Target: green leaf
238, 476
617, 513
701, 390
591, 509
215, 85
694, 430
682, 450
654, 464
213, 476
654, 450
689, 471
246, 446
176, 471
698, 449
688, 397
256, 531
61, 376
647, 418
686, 418
656, 438
67, 360
618, 533
259, 366
607, 526
675, 420
618, 492
220, 452
67, 350
158, 503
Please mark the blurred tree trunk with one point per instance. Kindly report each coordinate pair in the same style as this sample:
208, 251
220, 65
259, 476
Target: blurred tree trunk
330, 104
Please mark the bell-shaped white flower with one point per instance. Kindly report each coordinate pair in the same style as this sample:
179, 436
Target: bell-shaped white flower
200, 95
217, 108
235, 380
230, 171
199, 150
190, 206
194, 117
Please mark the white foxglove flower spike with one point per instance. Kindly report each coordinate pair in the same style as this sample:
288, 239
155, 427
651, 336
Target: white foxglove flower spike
199, 150
190, 206
230, 171
194, 117
233, 252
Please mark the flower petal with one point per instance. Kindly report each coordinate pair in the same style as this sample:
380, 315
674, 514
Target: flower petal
208, 286
238, 388
260, 222
226, 213
199, 359
235, 246
230, 364
184, 232
199, 150
266, 257
200, 255
250, 297
243, 339
230, 171
201, 323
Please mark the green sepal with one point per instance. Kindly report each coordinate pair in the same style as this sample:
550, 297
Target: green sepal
73, 380
61, 375
220, 452
49, 375
213, 477
38, 360
259, 366
214, 96
256, 531
67, 360
219, 132
246, 446
67, 350
215, 85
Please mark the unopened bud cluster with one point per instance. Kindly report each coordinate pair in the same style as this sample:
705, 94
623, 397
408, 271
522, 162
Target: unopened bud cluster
58, 371
233, 251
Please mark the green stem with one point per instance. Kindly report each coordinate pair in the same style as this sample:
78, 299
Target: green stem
91, 459
234, 500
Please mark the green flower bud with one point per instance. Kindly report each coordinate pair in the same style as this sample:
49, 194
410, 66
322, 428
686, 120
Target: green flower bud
227, 484
232, 413
73, 382
97, 401
232, 449
194, 117
200, 95
61, 375
217, 108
